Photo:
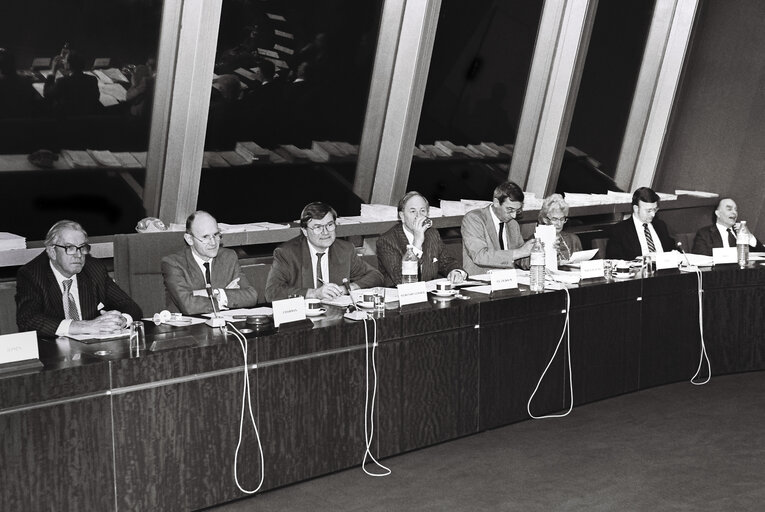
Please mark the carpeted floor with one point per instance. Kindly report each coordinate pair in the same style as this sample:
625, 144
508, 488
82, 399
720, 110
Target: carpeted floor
672, 448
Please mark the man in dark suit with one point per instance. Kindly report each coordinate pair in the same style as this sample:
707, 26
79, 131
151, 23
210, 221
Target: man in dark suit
64, 291
203, 272
722, 233
414, 230
315, 263
642, 233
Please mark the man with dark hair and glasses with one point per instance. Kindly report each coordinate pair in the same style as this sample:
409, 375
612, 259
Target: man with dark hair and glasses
203, 272
65, 291
315, 263
491, 237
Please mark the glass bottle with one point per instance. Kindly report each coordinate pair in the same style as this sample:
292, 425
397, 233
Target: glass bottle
409, 266
537, 272
742, 244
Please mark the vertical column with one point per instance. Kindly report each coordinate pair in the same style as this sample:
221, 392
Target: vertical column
180, 157
654, 122
556, 71
404, 100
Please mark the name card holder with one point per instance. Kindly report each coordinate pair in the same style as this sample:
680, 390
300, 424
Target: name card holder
412, 293
19, 353
506, 279
288, 310
724, 255
591, 269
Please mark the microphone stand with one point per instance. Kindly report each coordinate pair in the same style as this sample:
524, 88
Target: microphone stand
215, 321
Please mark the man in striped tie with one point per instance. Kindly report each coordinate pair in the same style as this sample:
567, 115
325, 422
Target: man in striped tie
642, 233
66, 291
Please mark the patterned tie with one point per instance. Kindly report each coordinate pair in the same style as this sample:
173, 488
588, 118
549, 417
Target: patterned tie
501, 236
70, 307
319, 275
208, 279
731, 238
649, 239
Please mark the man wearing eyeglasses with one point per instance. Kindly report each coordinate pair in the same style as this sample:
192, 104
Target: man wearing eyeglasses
642, 233
203, 272
63, 291
315, 263
491, 237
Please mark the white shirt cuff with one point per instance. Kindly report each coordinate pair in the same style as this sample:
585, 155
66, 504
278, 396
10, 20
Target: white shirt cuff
63, 328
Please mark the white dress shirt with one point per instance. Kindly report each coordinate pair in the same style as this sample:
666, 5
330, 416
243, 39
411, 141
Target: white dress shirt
641, 236
220, 293
724, 235
324, 264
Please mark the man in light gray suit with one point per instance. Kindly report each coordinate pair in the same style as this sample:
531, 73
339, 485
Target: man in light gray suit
204, 272
491, 237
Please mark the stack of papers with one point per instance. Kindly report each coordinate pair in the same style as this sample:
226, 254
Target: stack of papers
251, 151
697, 193
78, 158
9, 241
104, 158
379, 212
254, 226
452, 208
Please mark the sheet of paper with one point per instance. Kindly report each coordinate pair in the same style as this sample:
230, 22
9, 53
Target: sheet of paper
580, 256
229, 314
124, 333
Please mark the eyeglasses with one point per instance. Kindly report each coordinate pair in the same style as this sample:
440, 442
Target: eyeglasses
557, 220
318, 228
513, 211
651, 210
71, 250
209, 239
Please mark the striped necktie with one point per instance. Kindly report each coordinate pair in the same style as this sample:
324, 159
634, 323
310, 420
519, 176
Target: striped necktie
70, 306
319, 274
649, 239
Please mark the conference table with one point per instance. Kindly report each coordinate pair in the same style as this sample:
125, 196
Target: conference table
97, 429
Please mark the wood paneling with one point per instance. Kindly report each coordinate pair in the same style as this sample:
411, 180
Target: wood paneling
58, 458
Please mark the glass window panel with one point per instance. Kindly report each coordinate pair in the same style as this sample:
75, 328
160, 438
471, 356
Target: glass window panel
476, 85
605, 95
287, 73
76, 75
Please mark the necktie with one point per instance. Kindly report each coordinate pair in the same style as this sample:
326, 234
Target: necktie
649, 239
70, 307
731, 238
501, 236
319, 275
208, 279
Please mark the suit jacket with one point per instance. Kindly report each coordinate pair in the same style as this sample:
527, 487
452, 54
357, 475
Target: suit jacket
391, 247
480, 242
624, 244
39, 304
182, 276
708, 237
292, 271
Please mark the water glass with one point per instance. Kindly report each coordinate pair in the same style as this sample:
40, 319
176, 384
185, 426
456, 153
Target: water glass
137, 338
379, 298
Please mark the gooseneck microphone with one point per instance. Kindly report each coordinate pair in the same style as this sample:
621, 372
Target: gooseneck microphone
347, 286
215, 321
688, 267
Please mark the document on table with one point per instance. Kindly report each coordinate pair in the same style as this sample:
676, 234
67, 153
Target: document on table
239, 314
580, 256
124, 333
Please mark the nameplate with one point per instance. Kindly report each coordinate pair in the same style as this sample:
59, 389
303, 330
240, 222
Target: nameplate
21, 346
667, 260
723, 255
505, 279
591, 269
412, 293
288, 310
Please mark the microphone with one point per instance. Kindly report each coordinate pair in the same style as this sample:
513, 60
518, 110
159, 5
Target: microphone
347, 286
687, 267
215, 321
